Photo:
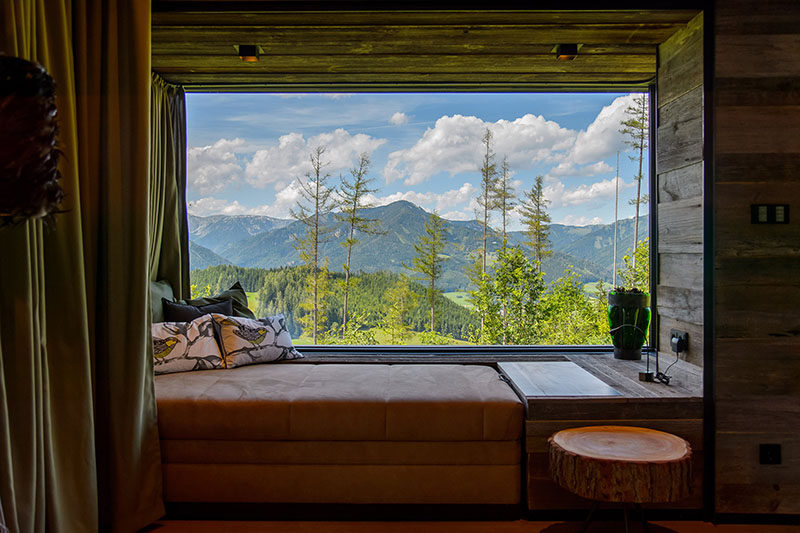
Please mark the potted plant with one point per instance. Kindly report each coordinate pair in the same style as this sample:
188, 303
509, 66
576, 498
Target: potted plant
628, 320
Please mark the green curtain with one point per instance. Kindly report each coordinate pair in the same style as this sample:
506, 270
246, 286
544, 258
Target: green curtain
169, 234
78, 438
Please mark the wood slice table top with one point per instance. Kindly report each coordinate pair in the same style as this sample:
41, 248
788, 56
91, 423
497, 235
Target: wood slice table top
621, 464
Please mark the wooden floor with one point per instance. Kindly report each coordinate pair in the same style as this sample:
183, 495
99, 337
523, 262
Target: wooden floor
519, 526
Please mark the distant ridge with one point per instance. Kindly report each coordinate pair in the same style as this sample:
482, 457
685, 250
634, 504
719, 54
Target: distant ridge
266, 242
201, 257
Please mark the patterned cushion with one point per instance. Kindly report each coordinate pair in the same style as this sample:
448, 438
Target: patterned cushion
247, 341
184, 346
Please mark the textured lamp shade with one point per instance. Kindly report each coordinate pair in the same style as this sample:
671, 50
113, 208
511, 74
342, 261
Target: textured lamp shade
248, 53
566, 52
28, 152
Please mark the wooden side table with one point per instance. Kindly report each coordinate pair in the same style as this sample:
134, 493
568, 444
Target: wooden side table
621, 464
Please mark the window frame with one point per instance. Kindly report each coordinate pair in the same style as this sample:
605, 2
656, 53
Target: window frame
495, 353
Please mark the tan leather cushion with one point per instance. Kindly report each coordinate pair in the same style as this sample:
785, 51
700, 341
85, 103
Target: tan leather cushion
339, 402
395, 484
310, 452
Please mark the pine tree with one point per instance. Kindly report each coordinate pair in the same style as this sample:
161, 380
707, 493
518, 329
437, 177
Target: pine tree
428, 261
314, 204
316, 310
487, 199
508, 300
637, 130
351, 202
536, 221
400, 301
505, 196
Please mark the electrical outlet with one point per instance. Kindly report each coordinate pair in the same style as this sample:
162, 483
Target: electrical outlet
769, 213
679, 340
769, 454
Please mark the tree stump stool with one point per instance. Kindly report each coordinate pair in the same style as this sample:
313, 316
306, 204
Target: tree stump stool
622, 464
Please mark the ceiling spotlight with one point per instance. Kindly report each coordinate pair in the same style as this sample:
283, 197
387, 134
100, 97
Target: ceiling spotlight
248, 52
566, 52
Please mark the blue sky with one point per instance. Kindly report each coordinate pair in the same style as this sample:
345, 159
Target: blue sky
248, 151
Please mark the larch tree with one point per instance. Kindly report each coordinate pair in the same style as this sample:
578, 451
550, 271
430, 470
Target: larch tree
536, 221
352, 195
428, 261
636, 129
487, 199
505, 196
314, 204
400, 300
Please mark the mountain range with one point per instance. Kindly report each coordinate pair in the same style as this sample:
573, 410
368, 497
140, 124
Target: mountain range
267, 242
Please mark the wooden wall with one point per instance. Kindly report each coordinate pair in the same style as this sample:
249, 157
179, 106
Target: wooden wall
679, 175
757, 267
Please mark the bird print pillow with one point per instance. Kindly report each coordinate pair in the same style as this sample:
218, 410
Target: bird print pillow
247, 341
184, 346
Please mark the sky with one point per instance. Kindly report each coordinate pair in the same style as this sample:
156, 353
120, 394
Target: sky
248, 152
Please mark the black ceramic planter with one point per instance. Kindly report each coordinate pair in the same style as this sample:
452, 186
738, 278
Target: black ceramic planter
628, 320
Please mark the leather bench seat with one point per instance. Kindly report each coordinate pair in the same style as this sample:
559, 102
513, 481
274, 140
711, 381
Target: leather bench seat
347, 433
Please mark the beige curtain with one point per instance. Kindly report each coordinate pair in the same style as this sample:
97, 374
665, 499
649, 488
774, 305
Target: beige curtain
169, 234
78, 440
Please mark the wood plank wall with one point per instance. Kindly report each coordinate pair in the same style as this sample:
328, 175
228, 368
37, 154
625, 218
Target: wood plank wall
679, 171
680, 416
757, 267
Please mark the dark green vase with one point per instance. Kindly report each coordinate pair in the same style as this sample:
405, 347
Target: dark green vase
628, 320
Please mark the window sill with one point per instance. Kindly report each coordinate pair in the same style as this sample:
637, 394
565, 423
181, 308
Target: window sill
442, 354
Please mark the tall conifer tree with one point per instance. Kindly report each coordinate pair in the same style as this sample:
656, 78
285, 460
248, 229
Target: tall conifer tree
428, 261
314, 204
536, 221
352, 201
487, 199
505, 196
636, 129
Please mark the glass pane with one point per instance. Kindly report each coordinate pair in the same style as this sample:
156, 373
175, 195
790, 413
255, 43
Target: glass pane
421, 218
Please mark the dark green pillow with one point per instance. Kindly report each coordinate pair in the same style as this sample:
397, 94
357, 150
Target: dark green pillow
158, 290
235, 293
175, 312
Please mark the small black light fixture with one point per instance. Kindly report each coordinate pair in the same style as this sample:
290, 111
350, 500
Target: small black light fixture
566, 52
248, 52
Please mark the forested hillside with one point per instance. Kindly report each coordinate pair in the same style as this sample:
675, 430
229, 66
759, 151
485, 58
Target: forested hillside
280, 291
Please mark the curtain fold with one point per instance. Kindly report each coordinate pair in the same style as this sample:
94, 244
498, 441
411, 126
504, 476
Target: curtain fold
78, 439
169, 233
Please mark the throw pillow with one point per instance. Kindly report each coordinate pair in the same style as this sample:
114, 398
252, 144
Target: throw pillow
246, 341
236, 294
184, 346
158, 290
175, 312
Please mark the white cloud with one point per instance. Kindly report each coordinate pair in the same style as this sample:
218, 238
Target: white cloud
213, 168
337, 96
560, 196
600, 140
281, 164
580, 220
569, 169
285, 200
454, 145
398, 119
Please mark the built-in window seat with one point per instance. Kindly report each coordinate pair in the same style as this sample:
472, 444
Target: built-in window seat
372, 432
341, 433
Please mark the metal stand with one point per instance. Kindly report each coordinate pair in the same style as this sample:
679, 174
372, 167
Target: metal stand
586, 523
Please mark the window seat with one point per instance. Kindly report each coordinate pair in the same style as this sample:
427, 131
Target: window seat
341, 433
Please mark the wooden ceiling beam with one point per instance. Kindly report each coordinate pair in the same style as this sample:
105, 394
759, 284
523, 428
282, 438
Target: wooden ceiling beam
422, 18
408, 63
399, 35
499, 48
